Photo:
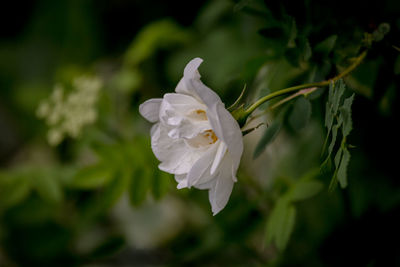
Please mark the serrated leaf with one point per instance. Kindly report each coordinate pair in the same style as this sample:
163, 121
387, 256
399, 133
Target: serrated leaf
269, 135
303, 190
329, 116
338, 91
337, 161
326, 46
335, 129
333, 183
338, 157
92, 176
342, 170
300, 114
345, 115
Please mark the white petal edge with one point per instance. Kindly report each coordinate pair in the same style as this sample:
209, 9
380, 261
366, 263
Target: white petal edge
219, 155
190, 72
181, 180
150, 109
227, 129
220, 192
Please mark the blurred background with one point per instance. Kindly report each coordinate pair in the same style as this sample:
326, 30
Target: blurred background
79, 185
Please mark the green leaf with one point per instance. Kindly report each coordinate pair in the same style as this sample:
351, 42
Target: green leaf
139, 186
306, 49
345, 115
114, 190
326, 46
161, 183
326, 166
334, 137
337, 161
300, 114
93, 176
342, 170
338, 91
159, 34
286, 228
292, 34
280, 223
269, 135
338, 157
329, 116
303, 190
275, 219
13, 190
48, 187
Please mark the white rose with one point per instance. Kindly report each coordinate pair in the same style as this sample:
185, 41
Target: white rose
195, 137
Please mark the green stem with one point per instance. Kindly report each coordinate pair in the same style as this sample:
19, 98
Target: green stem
266, 98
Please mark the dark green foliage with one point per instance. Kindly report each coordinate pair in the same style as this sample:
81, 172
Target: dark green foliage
338, 114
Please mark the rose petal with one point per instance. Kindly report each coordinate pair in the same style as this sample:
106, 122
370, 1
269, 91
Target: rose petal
219, 155
150, 109
227, 129
174, 154
200, 171
176, 110
182, 181
189, 73
220, 192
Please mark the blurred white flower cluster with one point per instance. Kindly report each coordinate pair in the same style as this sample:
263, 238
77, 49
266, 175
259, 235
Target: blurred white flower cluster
67, 113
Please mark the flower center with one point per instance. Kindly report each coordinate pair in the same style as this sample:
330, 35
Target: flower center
210, 136
198, 114
205, 138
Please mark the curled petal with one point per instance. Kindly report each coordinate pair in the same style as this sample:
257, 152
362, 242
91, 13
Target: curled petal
181, 180
177, 109
150, 109
190, 73
174, 155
